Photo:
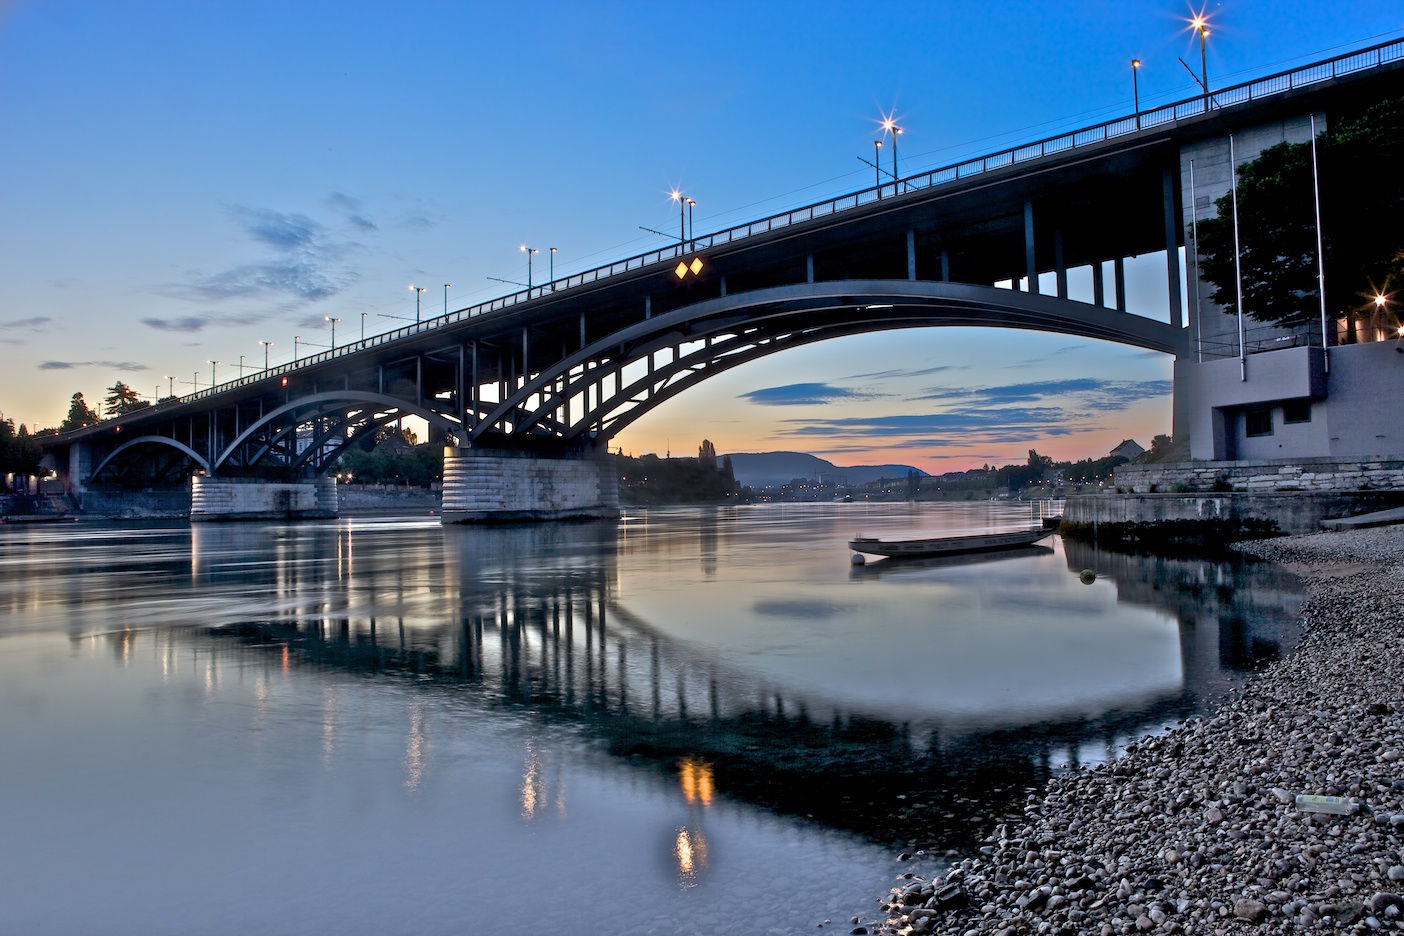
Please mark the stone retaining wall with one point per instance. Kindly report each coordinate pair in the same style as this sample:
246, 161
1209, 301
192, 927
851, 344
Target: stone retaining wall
1381, 473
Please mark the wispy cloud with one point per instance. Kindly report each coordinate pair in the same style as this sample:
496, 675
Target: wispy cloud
38, 323
188, 323
1089, 392
126, 366
802, 394
899, 373
304, 267
351, 209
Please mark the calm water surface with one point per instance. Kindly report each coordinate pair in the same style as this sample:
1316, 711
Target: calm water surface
695, 721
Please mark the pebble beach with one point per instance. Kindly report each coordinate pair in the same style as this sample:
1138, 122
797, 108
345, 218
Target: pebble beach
1281, 811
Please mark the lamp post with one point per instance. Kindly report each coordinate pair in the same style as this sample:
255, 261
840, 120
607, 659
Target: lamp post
691, 231
418, 291
333, 325
296, 339
529, 251
552, 259
241, 365
213, 366
1201, 26
890, 125
1136, 89
363, 325
266, 346
171, 391
446, 289
677, 196
877, 166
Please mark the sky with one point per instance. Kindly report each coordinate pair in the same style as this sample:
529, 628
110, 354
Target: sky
182, 180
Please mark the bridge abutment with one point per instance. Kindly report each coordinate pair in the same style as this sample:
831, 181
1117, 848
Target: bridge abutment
215, 498
501, 486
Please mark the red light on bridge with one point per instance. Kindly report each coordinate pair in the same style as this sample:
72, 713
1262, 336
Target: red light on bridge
285, 381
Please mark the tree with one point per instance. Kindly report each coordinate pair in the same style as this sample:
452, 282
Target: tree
122, 399
79, 415
24, 454
1362, 198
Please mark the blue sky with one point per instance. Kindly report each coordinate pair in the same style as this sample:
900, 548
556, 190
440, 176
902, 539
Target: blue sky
185, 179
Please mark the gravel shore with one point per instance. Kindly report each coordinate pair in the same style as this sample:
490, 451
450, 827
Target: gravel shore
1200, 829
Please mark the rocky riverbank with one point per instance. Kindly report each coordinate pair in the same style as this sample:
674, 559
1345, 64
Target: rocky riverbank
1200, 829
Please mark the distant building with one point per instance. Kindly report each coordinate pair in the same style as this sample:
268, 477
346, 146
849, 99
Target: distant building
1128, 450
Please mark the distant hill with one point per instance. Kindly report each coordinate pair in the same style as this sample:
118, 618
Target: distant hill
758, 469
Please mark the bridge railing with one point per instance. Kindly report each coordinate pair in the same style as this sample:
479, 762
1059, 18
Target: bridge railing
1257, 89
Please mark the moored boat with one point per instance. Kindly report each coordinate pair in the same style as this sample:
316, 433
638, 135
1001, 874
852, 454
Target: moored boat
946, 545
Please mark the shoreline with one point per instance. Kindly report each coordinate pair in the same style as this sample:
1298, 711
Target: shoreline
1198, 830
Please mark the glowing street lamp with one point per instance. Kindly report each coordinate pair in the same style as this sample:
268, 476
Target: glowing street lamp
1136, 89
446, 289
528, 251
677, 196
266, 346
363, 325
171, 391
333, 325
889, 125
1200, 24
418, 291
552, 259
877, 166
691, 231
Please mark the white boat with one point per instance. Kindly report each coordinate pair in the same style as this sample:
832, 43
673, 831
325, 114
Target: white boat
946, 545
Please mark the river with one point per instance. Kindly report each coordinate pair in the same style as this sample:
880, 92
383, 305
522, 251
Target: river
692, 721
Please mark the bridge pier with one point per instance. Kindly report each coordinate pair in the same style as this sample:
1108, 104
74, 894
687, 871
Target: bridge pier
216, 498
483, 485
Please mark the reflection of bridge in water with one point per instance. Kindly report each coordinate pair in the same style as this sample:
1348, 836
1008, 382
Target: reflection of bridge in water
532, 618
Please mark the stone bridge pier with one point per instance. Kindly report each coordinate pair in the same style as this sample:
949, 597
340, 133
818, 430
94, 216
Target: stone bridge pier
486, 485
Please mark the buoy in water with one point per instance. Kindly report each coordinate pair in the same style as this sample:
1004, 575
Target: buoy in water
1087, 577
858, 559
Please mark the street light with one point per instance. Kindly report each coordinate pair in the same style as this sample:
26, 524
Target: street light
296, 339
877, 166
889, 125
213, 366
446, 289
1200, 24
333, 324
418, 290
1136, 89
241, 366
553, 269
171, 391
677, 196
266, 346
691, 231
528, 251
363, 325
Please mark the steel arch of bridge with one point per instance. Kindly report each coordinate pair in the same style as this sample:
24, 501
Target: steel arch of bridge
708, 337
110, 463
338, 419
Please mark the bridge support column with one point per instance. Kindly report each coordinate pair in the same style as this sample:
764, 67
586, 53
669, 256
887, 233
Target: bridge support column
503, 486
216, 498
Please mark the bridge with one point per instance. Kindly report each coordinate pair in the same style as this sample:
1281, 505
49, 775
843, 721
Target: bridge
527, 390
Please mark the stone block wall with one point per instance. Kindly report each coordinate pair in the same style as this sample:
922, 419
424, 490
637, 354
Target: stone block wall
490, 485
215, 498
1382, 473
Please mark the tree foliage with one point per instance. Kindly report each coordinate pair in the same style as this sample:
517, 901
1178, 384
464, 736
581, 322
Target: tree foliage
1362, 195
418, 466
123, 399
20, 454
79, 415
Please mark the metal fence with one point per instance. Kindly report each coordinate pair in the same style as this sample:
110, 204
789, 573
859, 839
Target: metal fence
1247, 92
